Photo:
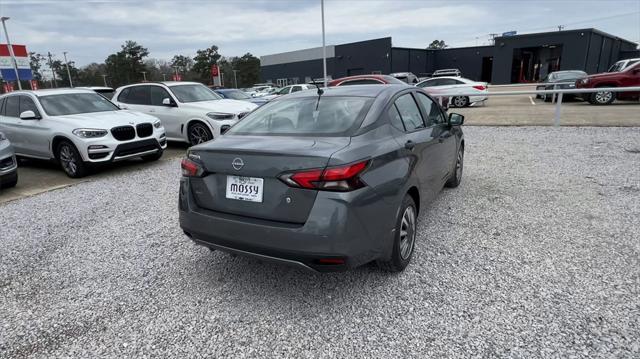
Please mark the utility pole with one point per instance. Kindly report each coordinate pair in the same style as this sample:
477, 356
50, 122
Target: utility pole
235, 79
104, 79
144, 76
560, 27
68, 72
53, 72
13, 57
324, 49
164, 77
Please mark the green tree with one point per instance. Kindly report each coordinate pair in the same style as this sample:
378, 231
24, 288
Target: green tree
35, 62
437, 45
62, 76
126, 66
91, 75
248, 70
203, 61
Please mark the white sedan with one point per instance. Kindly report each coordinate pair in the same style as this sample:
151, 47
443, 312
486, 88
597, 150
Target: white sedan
452, 86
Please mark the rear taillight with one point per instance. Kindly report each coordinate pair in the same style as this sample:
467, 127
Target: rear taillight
340, 178
191, 168
480, 87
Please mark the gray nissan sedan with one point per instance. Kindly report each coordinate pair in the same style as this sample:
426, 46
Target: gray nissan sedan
325, 180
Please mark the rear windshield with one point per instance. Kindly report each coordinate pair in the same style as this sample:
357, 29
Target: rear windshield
75, 103
335, 116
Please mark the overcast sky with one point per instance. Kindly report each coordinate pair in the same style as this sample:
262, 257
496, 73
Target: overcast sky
91, 30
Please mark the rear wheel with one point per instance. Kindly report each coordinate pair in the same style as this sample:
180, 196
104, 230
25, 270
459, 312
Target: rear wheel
460, 101
404, 237
602, 98
456, 177
198, 133
71, 161
9, 181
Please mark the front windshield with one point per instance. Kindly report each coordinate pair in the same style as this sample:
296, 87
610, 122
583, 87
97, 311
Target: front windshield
618, 66
193, 93
236, 95
75, 103
570, 75
335, 116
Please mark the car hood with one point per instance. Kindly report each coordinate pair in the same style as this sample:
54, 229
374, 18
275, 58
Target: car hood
224, 105
107, 119
603, 75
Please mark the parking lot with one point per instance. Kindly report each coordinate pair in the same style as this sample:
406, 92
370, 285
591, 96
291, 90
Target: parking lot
535, 254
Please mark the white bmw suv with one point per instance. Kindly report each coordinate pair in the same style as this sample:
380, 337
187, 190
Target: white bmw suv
189, 111
77, 128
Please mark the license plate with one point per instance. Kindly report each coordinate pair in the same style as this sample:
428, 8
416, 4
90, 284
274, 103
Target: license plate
245, 188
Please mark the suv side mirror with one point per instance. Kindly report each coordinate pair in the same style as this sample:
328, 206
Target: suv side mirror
29, 115
456, 119
168, 102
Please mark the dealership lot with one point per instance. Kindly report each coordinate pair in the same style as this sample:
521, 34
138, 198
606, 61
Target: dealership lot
535, 254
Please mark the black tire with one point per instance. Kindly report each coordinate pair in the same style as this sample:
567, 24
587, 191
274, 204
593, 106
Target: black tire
456, 177
547, 98
407, 223
198, 133
153, 157
602, 98
9, 181
70, 160
460, 101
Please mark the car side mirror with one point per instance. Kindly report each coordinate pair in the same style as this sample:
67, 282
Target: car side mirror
456, 119
29, 115
168, 102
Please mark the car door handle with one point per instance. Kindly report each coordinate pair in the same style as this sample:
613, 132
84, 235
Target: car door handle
409, 145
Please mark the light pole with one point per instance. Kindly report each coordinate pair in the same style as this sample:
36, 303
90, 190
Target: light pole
13, 57
144, 76
164, 77
53, 72
68, 72
235, 79
104, 79
324, 49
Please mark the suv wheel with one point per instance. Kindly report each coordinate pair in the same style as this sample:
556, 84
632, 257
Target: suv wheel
198, 133
456, 177
404, 239
70, 160
602, 98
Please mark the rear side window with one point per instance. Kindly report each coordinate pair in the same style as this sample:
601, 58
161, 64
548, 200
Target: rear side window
431, 109
12, 106
124, 95
1, 106
429, 83
140, 95
409, 112
27, 104
394, 118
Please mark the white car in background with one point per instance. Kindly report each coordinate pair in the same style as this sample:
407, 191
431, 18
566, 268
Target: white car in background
190, 112
77, 128
289, 89
453, 85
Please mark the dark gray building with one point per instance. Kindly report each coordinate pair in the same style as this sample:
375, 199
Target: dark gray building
512, 59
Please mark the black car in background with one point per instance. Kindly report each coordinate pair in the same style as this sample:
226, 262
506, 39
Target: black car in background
560, 80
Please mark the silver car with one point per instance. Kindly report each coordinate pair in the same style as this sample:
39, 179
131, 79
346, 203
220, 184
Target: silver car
8, 164
77, 128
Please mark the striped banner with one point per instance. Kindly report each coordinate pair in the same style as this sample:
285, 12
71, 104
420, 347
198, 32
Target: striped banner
6, 64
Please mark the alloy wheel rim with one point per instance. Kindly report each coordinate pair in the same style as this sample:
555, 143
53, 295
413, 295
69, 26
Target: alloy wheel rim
459, 101
603, 96
68, 160
198, 135
407, 232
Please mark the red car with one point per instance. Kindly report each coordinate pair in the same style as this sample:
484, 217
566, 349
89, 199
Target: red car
385, 80
629, 77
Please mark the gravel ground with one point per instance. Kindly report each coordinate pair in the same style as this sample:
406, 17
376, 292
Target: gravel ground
534, 255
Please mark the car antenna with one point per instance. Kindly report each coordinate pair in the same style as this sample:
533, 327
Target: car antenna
320, 92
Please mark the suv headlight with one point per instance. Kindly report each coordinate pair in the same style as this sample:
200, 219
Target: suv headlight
584, 81
219, 116
157, 124
89, 132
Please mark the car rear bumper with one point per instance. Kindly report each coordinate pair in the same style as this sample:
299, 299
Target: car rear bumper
335, 231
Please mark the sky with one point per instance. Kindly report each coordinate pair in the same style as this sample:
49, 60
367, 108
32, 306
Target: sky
91, 30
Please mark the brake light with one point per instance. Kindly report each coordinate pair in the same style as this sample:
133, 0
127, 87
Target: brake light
340, 178
480, 87
191, 168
